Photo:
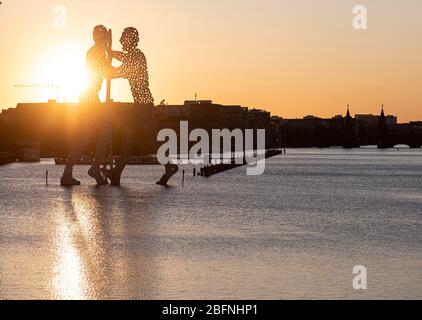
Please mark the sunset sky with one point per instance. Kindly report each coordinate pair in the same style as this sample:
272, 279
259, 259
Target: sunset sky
291, 57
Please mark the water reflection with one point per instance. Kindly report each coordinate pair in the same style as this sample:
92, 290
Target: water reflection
68, 282
101, 244
79, 235
294, 233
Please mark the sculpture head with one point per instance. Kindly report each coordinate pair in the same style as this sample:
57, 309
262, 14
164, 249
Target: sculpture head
129, 39
100, 36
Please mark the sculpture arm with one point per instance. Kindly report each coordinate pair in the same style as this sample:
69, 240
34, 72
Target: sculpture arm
118, 55
117, 72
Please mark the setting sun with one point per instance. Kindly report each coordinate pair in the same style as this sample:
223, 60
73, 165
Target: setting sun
63, 68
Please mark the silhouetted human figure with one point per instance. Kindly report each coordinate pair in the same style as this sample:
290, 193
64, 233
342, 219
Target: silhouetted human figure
96, 59
134, 68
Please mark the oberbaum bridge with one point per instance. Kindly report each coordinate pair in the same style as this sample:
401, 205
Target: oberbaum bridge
388, 135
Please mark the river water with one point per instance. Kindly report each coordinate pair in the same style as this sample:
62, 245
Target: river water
296, 232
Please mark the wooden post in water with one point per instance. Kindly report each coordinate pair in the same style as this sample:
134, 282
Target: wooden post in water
109, 155
46, 178
109, 64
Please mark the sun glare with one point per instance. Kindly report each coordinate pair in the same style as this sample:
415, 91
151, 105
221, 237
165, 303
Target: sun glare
64, 69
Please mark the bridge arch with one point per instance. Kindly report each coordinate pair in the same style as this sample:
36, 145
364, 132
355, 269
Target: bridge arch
401, 146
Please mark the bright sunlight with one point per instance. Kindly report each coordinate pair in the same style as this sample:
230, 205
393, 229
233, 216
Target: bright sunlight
63, 71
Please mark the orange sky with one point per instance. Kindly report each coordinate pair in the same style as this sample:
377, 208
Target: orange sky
293, 58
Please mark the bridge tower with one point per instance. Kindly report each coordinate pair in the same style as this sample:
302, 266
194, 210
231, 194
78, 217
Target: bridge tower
382, 130
349, 137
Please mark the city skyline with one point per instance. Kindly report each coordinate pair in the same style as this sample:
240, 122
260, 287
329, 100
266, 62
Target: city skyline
292, 59
347, 109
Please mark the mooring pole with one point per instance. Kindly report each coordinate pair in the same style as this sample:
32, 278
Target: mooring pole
109, 64
46, 178
108, 101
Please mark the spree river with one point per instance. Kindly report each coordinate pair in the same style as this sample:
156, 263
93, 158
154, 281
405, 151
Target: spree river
296, 232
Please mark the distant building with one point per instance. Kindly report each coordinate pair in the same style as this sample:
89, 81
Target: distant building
233, 117
203, 114
416, 123
6, 143
372, 120
310, 117
171, 111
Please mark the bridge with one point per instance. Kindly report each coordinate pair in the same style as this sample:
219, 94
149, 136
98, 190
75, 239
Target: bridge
383, 135
387, 141
391, 136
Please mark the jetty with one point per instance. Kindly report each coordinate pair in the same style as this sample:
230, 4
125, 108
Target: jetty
214, 169
133, 160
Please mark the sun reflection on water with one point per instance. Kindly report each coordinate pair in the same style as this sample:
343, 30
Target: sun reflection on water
81, 259
69, 273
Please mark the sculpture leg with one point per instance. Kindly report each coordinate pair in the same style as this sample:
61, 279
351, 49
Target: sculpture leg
126, 147
103, 143
149, 128
74, 156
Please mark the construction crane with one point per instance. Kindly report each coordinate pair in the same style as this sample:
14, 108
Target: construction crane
40, 86
34, 85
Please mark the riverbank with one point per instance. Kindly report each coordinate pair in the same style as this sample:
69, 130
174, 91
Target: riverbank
7, 158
